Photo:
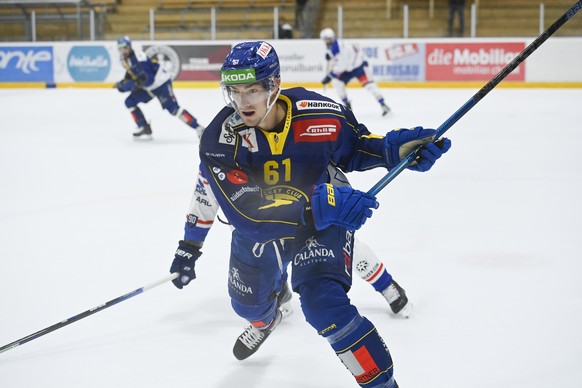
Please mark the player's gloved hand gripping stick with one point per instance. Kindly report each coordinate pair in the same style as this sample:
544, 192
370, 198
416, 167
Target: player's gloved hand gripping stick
184, 261
343, 206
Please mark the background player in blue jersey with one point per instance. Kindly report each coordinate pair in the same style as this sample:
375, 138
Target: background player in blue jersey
266, 157
346, 61
146, 79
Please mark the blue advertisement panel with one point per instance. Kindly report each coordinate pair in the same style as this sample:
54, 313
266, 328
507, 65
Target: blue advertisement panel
88, 63
26, 64
396, 61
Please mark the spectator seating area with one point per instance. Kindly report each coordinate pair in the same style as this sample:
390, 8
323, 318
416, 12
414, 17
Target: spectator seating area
190, 19
496, 18
55, 19
254, 19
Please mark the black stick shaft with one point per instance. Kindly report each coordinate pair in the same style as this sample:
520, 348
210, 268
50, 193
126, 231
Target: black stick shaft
85, 314
480, 94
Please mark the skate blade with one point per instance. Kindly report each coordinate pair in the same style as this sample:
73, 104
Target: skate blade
286, 309
143, 138
406, 311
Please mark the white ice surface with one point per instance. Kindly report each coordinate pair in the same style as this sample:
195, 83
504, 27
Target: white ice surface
488, 246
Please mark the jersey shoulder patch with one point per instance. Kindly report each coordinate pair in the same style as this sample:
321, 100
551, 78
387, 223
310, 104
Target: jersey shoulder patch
227, 134
317, 105
306, 101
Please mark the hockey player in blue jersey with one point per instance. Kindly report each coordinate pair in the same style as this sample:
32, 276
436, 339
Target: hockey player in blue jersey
146, 79
204, 209
266, 157
346, 61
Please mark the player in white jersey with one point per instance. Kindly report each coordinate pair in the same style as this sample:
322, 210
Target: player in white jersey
346, 61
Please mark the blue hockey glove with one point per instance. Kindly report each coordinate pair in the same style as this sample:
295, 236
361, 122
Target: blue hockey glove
125, 85
342, 206
184, 260
119, 86
399, 143
326, 80
429, 153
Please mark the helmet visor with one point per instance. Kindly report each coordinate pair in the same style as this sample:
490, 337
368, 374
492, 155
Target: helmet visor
123, 48
241, 88
245, 95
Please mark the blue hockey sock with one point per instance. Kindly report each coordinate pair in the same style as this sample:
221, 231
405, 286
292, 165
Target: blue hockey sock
355, 340
364, 354
138, 116
325, 305
382, 280
186, 117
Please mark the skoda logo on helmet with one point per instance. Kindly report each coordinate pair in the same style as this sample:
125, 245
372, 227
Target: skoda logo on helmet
232, 77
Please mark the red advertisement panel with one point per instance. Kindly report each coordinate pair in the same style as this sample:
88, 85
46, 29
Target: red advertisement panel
471, 61
191, 62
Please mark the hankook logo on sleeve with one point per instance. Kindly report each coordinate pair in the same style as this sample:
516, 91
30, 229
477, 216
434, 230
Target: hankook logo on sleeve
314, 104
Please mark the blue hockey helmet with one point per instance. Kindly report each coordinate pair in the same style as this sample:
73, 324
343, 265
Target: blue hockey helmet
124, 42
250, 62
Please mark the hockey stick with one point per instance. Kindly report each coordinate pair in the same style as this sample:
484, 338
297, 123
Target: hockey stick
479, 95
85, 314
327, 70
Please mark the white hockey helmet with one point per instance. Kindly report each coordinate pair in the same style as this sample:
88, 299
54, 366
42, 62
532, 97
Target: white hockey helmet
327, 33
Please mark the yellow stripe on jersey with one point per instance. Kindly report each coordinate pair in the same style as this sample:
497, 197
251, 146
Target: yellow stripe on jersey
277, 139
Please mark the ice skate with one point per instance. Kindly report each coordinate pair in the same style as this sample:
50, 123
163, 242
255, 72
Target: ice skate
284, 301
143, 133
396, 297
252, 338
386, 111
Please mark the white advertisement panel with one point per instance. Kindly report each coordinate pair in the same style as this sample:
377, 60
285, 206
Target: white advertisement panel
86, 62
301, 61
390, 60
557, 60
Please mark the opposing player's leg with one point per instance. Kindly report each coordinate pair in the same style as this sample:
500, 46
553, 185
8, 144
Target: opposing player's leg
340, 89
165, 94
186, 117
369, 267
144, 131
373, 271
366, 80
257, 286
322, 276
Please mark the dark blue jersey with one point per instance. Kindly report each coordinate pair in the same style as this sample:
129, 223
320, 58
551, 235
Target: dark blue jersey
144, 70
262, 180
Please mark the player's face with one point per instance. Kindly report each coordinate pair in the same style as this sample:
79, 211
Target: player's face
328, 42
250, 101
124, 51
